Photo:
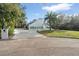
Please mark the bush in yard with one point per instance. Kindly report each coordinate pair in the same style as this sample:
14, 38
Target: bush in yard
10, 31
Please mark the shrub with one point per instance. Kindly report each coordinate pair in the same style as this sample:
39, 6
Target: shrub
10, 31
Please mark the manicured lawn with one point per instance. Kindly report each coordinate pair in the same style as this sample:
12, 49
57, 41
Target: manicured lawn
61, 33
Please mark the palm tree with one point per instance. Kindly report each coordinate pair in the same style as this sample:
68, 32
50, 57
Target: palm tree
51, 18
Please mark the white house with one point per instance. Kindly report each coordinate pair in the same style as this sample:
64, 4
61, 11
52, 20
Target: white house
38, 25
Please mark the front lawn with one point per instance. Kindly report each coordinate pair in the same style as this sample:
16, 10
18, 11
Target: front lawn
61, 33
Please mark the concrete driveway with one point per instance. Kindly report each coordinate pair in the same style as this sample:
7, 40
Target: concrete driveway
26, 34
39, 45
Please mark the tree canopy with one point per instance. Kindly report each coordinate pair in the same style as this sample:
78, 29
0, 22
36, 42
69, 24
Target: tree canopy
12, 13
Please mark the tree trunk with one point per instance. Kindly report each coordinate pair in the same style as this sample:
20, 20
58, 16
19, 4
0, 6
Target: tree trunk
50, 28
50, 25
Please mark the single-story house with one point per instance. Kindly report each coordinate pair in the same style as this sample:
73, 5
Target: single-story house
37, 25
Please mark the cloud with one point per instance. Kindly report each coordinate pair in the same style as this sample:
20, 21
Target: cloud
57, 7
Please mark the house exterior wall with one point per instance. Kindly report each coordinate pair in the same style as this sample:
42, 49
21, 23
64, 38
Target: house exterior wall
37, 25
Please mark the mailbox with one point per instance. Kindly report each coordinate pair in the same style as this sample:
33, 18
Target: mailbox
4, 33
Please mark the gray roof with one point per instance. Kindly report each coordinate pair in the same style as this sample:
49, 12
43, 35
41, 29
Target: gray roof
38, 22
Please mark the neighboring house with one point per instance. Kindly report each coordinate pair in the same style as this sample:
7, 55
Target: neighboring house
37, 25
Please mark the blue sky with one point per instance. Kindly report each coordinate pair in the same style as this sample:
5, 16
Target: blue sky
38, 10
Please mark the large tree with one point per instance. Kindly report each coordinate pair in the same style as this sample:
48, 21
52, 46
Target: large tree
10, 13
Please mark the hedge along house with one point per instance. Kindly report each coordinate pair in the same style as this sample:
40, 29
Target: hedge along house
37, 25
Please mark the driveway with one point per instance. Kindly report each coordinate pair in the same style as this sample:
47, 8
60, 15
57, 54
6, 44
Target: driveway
26, 34
39, 45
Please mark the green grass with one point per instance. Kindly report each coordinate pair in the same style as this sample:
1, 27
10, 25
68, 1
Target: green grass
61, 33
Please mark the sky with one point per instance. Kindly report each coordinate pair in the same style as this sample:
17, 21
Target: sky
38, 10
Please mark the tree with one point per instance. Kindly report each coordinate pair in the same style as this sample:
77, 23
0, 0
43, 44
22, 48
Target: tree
11, 13
52, 20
